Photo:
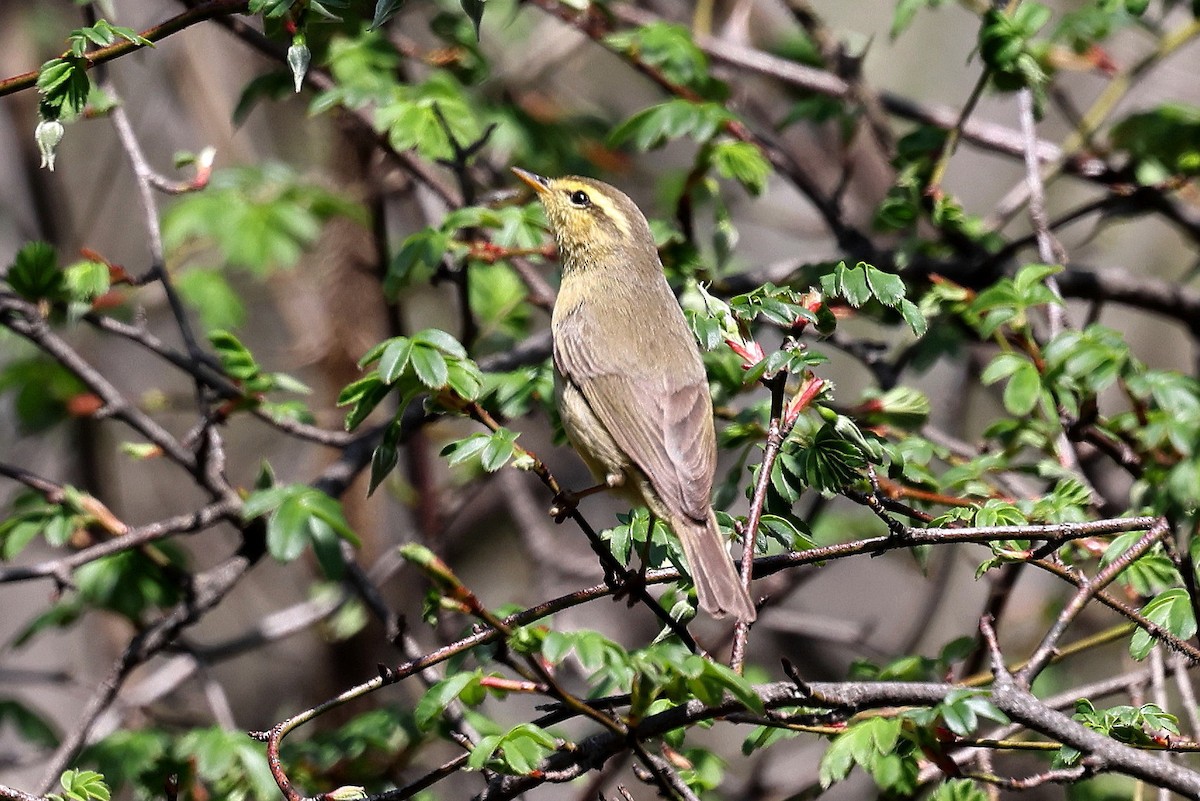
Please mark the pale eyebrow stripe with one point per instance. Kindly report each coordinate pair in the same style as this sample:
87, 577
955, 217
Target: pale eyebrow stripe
605, 205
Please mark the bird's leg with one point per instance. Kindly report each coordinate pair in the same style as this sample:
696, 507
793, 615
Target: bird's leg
566, 500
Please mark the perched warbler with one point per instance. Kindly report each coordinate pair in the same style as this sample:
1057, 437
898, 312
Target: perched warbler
632, 388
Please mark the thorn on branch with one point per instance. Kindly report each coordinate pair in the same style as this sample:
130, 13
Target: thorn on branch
792, 673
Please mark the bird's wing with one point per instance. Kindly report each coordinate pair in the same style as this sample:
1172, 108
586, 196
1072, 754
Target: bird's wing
665, 427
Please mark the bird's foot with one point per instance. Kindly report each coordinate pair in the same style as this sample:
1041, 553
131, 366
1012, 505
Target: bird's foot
563, 505
632, 586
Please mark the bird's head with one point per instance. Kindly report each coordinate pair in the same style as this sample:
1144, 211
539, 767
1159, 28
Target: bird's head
594, 223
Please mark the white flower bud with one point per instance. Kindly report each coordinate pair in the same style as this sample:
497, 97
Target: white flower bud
48, 134
298, 58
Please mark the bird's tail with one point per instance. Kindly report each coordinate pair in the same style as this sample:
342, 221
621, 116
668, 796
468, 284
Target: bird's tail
717, 583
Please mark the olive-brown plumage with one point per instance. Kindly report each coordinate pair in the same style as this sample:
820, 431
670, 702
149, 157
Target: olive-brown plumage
632, 387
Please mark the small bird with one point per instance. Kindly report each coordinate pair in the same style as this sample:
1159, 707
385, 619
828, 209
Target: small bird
631, 384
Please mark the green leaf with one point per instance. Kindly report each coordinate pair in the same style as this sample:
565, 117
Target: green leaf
384, 11
864, 744
31, 726
84, 785
1023, 390
435, 700
655, 126
888, 288
474, 10
670, 49
913, 316
743, 162
436, 338
287, 530
498, 450
1173, 611
64, 86
34, 273
259, 219
209, 292
394, 359
1161, 142
363, 396
429, 365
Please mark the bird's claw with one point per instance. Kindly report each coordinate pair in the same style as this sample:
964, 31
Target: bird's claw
563, 505
633, 584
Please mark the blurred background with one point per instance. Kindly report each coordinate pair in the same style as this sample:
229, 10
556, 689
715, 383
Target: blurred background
315, 317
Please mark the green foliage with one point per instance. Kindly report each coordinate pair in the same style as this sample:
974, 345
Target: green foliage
490, 451
653, 127
464, 687
299, 516
1161, 143
914, 667
258, 219
906, 12
34, 273
362, 750
385, 10
27, 724
274, 9
1151, 573
411, 120
959, 790
1008, 301
103, 34
862, 282
32, 515
663, 671
209, 292
1171, 609
239, 364
410, 366
742, 162
81, 785
428, 360
1024, 387
959, 712
36, 276
64, 87
229, 762
1145, 725
670, 50
826, 462
875, 746
1005, 44
518, 751
42, 391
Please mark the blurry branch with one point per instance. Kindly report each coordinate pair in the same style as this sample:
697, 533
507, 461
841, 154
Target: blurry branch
1102, 754
954, 134
989, 136
13, 794
24, 319
1107, 754
206, 590
200, 12
569, 508
205, 369
60, 569
145, 177
317, 78
1087, 591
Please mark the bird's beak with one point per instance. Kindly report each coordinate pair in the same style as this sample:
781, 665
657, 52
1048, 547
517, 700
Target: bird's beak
539, 183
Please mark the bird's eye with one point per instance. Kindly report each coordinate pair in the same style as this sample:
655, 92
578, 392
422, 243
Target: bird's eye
580, 198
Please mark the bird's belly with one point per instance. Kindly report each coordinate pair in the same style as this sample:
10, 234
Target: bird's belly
590, 437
